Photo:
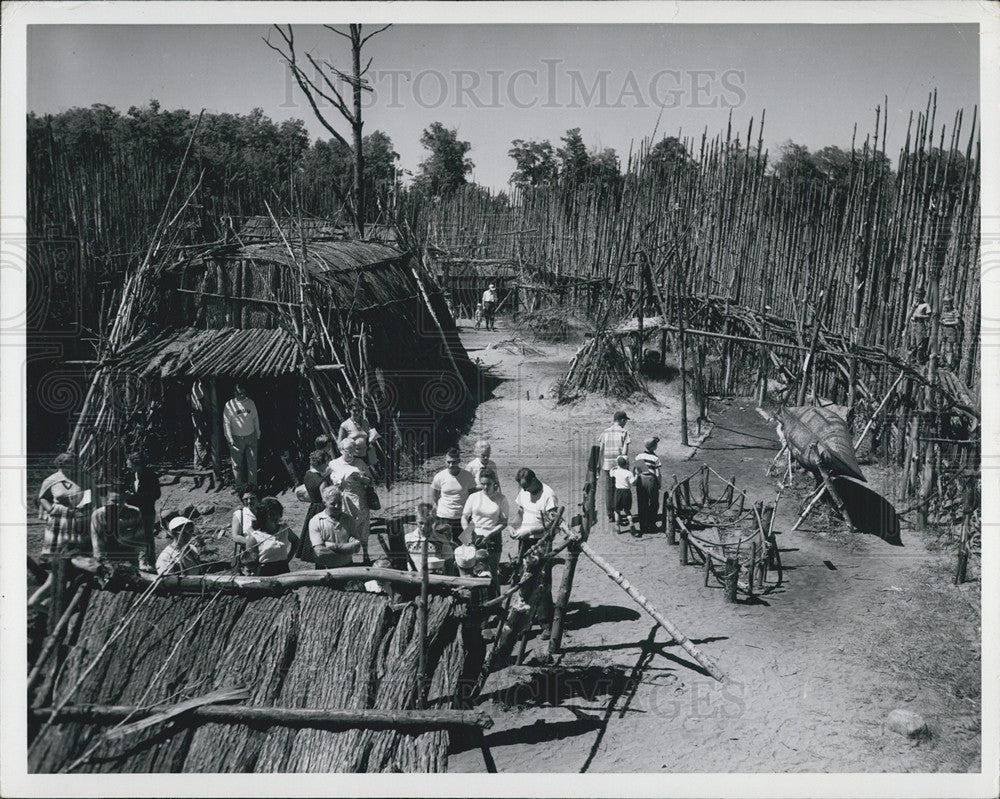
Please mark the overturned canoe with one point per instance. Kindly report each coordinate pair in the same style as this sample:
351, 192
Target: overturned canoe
818, 437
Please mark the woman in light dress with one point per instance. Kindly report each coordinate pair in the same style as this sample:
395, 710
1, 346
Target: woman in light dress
487, 512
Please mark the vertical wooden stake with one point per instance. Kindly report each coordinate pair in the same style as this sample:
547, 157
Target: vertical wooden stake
422, 681
732, 578
670, 519
683, 369
587, 519
762, 386
57, 599
218, 439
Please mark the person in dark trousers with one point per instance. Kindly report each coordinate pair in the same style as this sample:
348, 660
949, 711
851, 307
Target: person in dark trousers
647, 486
241, 424
142, 489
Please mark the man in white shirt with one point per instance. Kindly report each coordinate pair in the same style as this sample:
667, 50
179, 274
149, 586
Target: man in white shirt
450, 488
490, 307
535, 504
614, 441
241, 424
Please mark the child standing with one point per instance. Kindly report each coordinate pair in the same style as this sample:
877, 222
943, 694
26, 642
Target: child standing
623, 479
647, 486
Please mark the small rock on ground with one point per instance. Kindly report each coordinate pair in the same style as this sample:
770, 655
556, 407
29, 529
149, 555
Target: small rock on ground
908, 723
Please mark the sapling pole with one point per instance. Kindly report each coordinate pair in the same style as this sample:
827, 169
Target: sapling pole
685, 643
683, 362
411, 721
53, 639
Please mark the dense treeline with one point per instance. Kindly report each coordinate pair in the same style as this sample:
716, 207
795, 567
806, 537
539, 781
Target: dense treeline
100, 178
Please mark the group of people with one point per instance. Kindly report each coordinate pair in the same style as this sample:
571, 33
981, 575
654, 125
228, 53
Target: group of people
118, 526
341, 495
463, 528
620, 478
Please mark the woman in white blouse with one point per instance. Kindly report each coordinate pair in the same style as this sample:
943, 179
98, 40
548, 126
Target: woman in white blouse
350, 473
487, 512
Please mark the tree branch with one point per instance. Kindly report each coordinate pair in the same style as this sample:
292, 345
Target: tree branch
337, 100
339, 33
374, 33
305, 83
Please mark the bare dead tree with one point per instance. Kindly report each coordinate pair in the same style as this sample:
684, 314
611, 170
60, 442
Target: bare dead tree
322, 86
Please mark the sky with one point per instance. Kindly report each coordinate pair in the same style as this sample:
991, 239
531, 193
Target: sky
497, 83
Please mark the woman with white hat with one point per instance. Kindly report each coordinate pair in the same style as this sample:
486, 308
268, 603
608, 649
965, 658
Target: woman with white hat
180, 556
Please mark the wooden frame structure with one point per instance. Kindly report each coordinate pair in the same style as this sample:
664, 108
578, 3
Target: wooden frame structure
734, 542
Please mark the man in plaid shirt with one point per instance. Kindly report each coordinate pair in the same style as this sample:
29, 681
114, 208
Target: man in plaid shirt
66, 534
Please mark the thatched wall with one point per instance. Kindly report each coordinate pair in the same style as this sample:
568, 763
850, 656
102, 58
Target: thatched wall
313, 648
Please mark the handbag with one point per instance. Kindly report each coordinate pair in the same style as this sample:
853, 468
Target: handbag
371, 498
302, 494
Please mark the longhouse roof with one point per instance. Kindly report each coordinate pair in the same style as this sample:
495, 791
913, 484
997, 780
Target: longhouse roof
190, 352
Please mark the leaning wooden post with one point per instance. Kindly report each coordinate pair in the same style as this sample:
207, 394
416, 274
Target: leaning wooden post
536, 599
512, 619
422, 681
658, 617
57, 600
587, 519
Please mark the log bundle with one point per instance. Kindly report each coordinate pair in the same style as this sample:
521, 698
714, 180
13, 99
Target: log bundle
316, 647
